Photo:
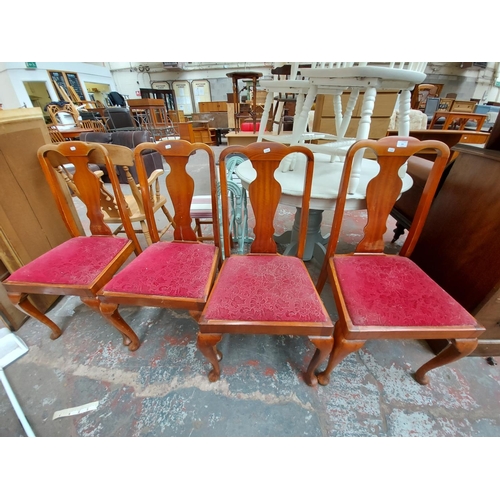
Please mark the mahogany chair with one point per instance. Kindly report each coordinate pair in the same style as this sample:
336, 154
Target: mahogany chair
83, 264
264, 292
174, 274
380, 296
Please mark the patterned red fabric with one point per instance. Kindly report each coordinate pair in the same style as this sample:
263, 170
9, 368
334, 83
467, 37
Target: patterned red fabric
76, 261
169, 269
393, 291
264, 288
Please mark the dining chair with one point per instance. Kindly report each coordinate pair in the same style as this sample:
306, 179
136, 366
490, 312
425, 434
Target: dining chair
123, 159
381, 296
263, 292
174, 274
55, 135
83, 264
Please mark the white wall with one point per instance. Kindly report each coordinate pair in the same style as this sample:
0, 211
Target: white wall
13, 94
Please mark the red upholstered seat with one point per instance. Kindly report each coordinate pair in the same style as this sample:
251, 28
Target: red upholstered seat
170, 269
264, 288
384, 290
77, 261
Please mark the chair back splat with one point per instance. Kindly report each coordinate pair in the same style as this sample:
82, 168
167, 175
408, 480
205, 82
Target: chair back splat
381, 296
263, 292
175, 274
82, 265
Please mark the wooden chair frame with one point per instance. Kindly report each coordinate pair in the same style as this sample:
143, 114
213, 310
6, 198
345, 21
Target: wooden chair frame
80, 154
180, 186
265, 193
382, 192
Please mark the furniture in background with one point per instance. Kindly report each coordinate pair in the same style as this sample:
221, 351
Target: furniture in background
123, 160
381, 296
171, 274
419, 167
457, 119
459, 247
431, 106
252, 76
264, 292
83, 264
152, 115
63, 114
27, 229
55, 135
119, 119
129, 139
463, 106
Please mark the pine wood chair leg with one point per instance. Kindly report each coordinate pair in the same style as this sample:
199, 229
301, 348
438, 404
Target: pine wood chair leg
341, 348
145, 230
324, 346
112, 316
457, 349
20, 300
206, 344
168, 216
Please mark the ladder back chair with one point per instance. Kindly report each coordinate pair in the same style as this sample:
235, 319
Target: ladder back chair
263, 292
174, 274
380, 296
83, 264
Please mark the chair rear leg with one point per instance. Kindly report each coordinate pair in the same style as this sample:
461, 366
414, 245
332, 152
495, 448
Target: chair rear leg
458, 348
206, 344
341, 348
20, 300
324, 346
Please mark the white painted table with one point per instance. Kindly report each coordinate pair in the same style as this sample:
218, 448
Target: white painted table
326, 181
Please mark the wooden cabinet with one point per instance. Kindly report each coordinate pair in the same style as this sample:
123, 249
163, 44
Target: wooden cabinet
460, 245
212, 107
30, 223
324, 114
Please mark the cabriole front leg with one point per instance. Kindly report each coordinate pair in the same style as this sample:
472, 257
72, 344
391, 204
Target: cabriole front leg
20, 300
206, 343
112, 316
458, 348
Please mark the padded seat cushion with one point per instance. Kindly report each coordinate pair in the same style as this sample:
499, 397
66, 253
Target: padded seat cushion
393, 291
169, 269
76, 261
264, 288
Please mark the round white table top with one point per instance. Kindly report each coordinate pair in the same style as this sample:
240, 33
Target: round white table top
326, 182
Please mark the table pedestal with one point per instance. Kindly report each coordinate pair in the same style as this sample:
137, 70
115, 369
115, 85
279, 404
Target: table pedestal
315, 242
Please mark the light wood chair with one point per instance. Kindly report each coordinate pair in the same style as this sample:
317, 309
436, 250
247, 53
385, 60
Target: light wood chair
123, 158
64, 115
380, 296
264, 292
55, 135
170, 274
92, 125
83, 264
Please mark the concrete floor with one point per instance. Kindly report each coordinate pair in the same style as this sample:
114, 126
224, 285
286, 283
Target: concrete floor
162, 389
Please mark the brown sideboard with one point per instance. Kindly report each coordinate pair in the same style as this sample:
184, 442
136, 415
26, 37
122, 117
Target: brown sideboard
30, 223
460, 243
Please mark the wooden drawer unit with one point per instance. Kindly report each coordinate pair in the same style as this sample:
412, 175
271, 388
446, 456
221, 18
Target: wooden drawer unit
210, 107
